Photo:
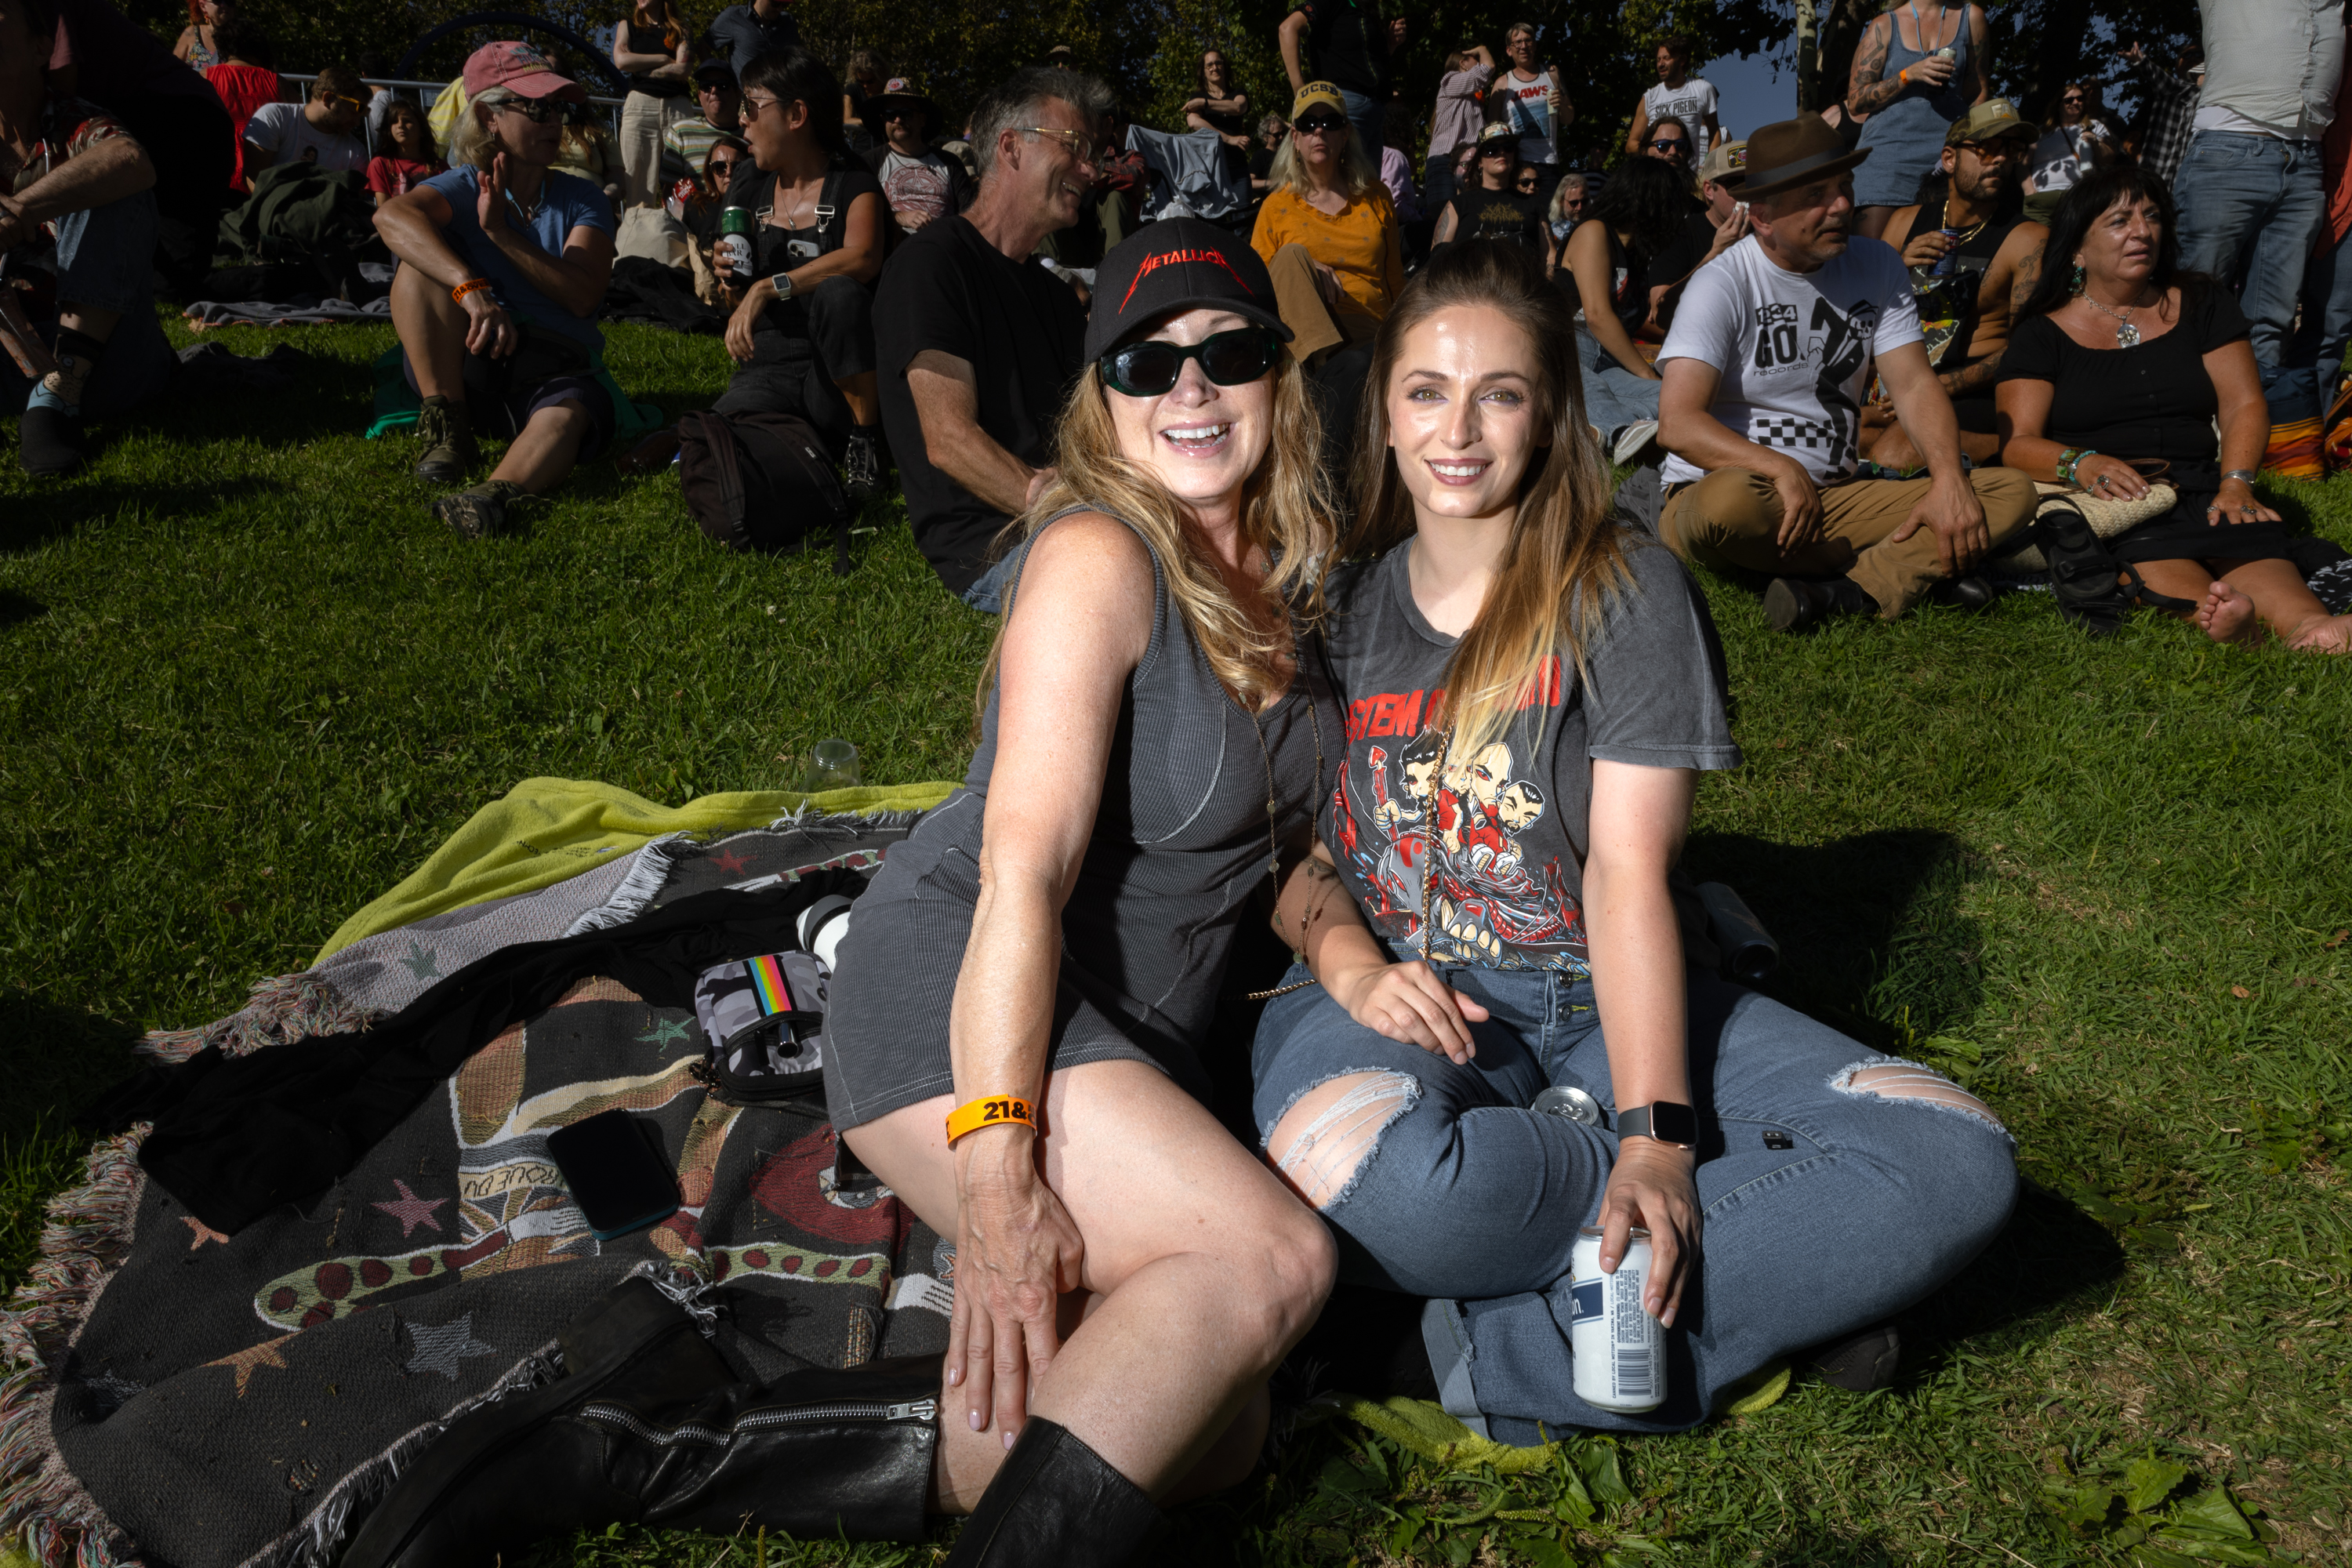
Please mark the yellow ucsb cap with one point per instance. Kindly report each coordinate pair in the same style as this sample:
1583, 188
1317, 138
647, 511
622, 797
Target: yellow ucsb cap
1315, 93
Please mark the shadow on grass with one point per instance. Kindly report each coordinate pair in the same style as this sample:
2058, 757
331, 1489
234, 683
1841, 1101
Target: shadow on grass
15, 608
24, 529
1872, 939
55, 1059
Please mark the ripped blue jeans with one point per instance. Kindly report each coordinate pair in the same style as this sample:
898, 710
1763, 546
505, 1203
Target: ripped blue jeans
1837, 1186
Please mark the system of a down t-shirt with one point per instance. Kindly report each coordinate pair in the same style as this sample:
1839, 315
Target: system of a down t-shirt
1501, 831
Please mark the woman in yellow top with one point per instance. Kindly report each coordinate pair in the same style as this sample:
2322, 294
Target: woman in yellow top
1328, 231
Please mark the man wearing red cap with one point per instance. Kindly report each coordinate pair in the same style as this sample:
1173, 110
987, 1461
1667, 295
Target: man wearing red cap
503, 265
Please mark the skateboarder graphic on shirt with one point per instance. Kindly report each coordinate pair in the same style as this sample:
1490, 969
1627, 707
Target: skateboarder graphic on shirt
1844, 347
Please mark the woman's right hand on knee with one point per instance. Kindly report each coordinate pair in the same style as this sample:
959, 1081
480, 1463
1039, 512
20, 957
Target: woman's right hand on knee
1018, 1252
489, 330
1408, 1002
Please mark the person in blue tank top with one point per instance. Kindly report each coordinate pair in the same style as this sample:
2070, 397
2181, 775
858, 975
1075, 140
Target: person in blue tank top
1916, 69
503, 264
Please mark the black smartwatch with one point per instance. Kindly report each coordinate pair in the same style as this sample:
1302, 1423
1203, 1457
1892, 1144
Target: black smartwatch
1662, 1120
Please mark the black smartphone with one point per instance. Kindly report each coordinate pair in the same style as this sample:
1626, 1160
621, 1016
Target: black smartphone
616, 1174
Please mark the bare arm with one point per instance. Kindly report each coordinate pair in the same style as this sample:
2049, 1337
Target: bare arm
413, 228
2019, 265
1293, 28
859, 259
635, 60
947, 401
1639, 128
1639, 816
1079, 625
1950, 506
2245, 429
115, 168
1588, 257
1444, 232
1979, 33
1316, 914
1865, 93
1688, 428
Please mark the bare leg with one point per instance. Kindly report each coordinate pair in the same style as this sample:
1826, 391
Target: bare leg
2222, 613
2292, 609
862, 393
90, 323
1207, 1273
540, 458
432, 328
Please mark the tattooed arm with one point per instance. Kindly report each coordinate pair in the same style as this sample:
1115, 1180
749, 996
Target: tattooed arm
1979, 32
2020, 256
1865, 93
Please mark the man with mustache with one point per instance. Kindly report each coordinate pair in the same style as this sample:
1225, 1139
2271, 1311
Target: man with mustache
975, 342
1764, 371
1973, 259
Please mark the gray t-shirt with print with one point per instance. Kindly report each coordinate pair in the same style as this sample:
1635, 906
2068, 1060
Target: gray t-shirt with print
1505, 828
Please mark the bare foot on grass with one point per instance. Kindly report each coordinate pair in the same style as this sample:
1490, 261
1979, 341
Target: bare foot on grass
2323, 634
2228, 616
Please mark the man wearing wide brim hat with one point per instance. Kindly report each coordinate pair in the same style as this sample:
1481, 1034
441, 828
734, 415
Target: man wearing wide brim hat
1766, 369
1965, 252
918, 182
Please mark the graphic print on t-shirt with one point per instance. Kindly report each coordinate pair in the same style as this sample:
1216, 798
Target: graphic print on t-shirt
1408, 807
1691, 103
1837, 345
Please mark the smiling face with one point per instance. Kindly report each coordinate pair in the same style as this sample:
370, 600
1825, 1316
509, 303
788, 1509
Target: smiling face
1671, 65
1200, 440
1463, 424
1519, 808
1521, 46
1212, 74
2120, 248
1049, 171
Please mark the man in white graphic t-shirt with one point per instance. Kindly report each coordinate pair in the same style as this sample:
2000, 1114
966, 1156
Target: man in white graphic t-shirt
1766, 369
1535, 106
1677, 96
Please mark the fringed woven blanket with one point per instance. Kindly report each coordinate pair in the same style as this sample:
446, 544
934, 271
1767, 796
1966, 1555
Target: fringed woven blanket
188, 1398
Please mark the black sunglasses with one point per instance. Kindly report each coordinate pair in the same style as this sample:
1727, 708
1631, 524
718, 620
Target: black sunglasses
1149, 369
1315, 124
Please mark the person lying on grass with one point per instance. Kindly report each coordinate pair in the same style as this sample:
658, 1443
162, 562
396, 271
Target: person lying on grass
2118, 354
503, 264
1489, 929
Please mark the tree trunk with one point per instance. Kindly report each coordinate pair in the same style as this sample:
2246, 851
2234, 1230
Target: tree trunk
1809, 57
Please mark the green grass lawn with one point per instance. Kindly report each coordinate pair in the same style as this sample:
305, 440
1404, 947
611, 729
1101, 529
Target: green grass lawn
247, 683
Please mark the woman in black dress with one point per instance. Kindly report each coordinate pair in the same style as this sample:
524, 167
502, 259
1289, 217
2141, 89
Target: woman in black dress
2120, 355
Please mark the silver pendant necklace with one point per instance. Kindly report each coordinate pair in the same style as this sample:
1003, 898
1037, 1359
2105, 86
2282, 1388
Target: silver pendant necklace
2126, 335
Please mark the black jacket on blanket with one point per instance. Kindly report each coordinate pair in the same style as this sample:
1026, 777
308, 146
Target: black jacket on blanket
237, 1136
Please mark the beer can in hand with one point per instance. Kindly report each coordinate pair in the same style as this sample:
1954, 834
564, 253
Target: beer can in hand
734, 246
1618, 1349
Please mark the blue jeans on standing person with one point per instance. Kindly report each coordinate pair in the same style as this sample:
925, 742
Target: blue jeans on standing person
1826, 1207
2326, 329
1614, 396
2249, 207
105, 260
1366, 115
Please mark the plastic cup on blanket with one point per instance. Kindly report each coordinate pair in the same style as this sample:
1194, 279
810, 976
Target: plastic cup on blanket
832, 764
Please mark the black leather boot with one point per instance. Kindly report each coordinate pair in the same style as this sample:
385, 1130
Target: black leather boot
1057, 1501
1796, 603
649, 1427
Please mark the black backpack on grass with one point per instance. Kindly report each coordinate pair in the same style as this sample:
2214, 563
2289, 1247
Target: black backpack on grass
760, 481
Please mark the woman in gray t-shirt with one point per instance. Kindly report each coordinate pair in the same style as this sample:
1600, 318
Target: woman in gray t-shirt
1533, 689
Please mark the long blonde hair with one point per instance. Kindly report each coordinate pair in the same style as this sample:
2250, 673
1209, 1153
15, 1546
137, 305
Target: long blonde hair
1565, 560
1287, 511
471, 142
1288, 171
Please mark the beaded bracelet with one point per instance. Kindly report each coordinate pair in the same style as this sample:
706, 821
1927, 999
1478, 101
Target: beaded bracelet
467, 287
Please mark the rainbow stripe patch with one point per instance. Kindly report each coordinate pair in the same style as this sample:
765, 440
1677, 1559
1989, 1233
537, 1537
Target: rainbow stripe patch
768, 984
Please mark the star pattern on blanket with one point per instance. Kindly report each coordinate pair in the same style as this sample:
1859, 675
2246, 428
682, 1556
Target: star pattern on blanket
733, 865
203, 1232
409, 1209
439, 1350
421, 961
666, 1032
250, 1360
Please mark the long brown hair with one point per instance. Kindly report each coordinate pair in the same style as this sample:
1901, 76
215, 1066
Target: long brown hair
1287, 511
1565, 560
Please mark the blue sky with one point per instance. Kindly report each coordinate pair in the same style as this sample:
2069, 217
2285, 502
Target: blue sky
1749, 95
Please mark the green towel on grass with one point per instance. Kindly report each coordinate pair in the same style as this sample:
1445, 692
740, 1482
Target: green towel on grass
396, 403
544, 830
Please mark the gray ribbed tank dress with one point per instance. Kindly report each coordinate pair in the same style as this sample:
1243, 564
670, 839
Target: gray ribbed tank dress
1179, 849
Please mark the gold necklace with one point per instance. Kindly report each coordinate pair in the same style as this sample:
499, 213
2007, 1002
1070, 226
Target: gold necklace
1429, 840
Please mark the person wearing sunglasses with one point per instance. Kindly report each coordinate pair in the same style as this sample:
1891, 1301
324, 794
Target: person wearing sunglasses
1059, 929
2074, 138
1328, 231
975, 342
321, 131
503, 264
1678, 95
1669, 141
920, 182
696, 206
1503, 203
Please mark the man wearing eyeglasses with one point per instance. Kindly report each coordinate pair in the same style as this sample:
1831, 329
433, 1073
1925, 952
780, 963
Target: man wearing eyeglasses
976, 343
319, 132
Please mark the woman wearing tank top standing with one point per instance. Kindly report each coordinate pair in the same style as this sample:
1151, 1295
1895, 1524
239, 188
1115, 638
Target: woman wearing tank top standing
1916, 69
1126, 1274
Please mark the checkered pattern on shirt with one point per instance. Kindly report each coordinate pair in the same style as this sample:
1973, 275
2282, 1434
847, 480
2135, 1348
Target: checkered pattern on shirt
2171, 116
1794, 434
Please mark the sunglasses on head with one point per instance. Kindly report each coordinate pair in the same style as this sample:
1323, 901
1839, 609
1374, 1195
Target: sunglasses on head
1150, 368
1320, 125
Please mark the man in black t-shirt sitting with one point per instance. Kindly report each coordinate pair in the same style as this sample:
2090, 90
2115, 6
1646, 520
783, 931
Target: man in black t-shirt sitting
977, 343
1495, 206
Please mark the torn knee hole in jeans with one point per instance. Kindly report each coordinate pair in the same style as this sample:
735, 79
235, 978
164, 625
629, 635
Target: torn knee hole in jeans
1893, 1079
1345, 1118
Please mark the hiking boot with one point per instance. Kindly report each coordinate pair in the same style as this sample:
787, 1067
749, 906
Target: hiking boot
1794, 604
861, 468
1862, 1362
649, 1427
480, 512
446, 429
49, 442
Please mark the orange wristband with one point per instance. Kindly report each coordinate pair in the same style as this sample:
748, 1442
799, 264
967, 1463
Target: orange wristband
467, 287
988, 1113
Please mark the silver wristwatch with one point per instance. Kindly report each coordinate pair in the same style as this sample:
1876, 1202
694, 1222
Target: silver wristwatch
783, 282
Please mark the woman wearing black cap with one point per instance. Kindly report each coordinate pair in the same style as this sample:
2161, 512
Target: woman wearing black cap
1054, 935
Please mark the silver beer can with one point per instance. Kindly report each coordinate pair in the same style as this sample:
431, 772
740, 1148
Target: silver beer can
1618, 1349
